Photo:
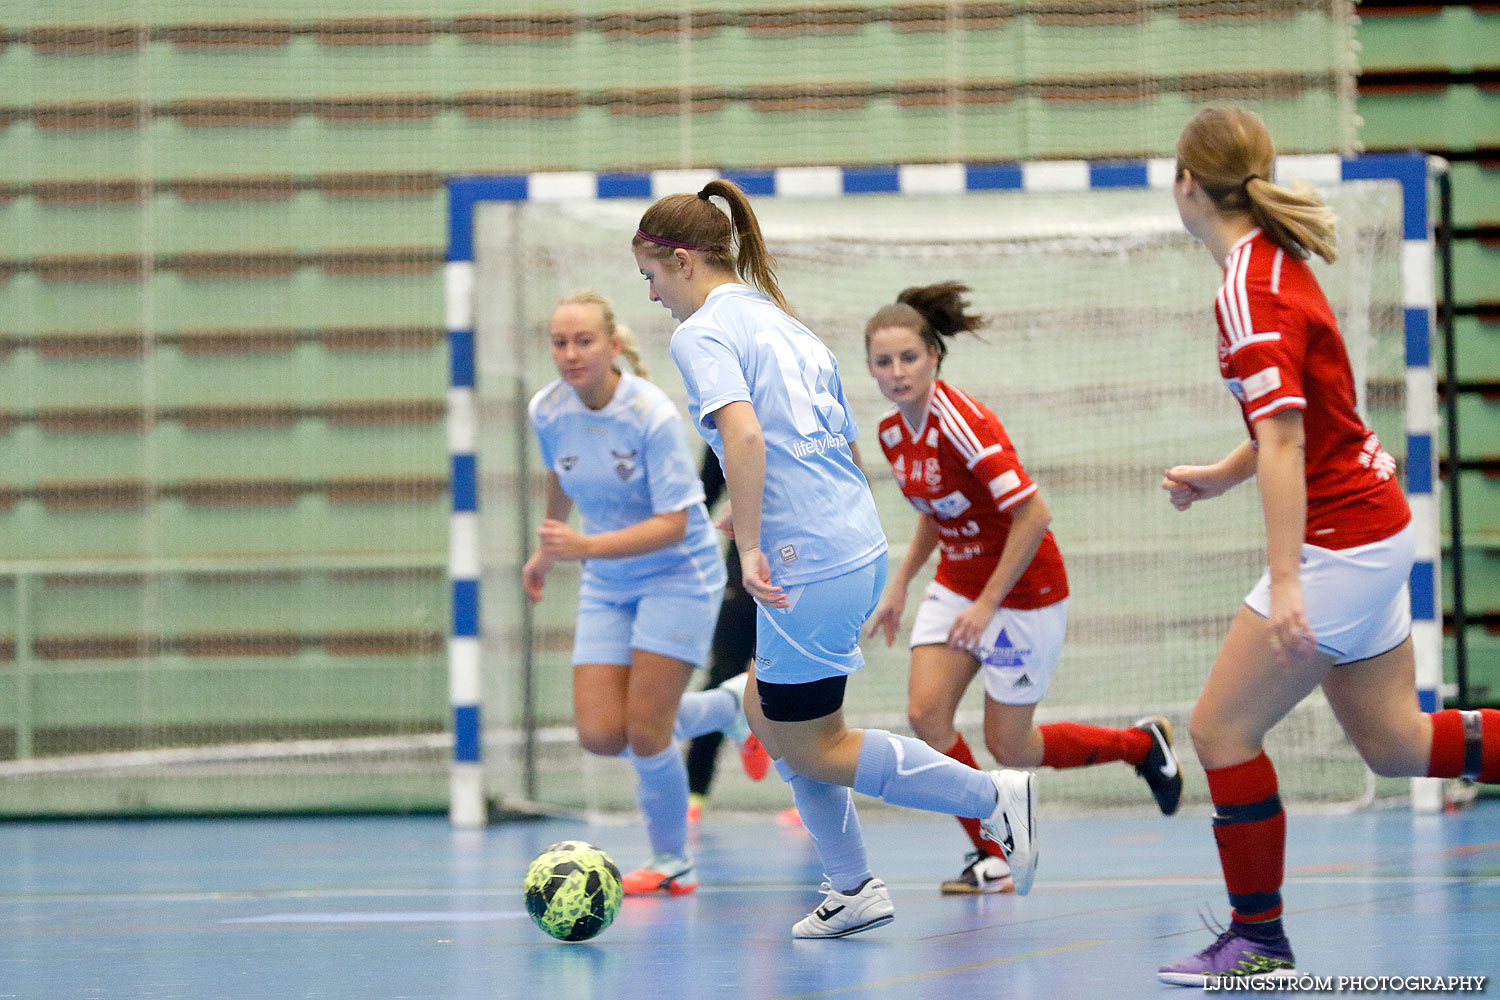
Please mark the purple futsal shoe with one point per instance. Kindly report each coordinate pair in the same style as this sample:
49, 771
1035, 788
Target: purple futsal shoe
1231, 957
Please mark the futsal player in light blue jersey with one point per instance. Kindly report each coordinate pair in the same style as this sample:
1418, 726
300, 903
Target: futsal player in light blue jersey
653, 577
765, 393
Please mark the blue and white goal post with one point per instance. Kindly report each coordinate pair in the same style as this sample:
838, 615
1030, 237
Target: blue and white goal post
470, 803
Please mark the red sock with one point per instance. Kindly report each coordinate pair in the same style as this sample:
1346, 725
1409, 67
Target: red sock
960, 752
1076, 744
1465, 743
1250, 827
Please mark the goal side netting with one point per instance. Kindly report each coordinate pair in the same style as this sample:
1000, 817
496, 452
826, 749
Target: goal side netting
1100, 361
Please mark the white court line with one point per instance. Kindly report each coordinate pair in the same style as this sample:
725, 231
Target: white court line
512, 892
418, 917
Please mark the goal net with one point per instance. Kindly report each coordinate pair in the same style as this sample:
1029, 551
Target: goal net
1100, 360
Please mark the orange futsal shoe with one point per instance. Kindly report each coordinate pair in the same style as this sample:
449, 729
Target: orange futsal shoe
667, 874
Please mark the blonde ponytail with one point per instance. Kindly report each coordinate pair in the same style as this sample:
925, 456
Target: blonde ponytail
632, 351
1294, 218
1229, 153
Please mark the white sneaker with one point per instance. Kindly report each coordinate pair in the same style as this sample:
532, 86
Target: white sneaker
1013, 824
842, 915
984, 874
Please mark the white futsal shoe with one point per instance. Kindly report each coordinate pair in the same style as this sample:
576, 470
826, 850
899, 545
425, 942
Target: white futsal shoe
843, 914
984, 874
1013, 824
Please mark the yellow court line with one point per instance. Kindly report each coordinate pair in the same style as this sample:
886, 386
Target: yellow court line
918, 976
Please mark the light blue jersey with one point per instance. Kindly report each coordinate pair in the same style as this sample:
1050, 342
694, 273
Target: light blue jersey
621, 465
818, 518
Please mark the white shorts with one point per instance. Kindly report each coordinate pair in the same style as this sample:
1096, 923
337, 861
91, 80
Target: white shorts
1356, 599
1019, 649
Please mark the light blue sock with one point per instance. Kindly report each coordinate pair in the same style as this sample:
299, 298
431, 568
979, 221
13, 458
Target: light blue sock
702, 712
663, 794
907, 772
828, 814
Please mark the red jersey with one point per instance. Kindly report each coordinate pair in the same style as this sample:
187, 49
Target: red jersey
960, 468
1280, 348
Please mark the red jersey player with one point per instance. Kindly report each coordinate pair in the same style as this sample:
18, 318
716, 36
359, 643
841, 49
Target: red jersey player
999, 601
1332, 608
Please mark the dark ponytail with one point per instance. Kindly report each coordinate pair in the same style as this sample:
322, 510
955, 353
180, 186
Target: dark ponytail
934, 312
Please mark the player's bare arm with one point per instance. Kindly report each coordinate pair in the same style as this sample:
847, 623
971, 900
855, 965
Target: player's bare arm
1029, 522
1187, 484
887, 616
561, 540
1280, 469
745, 481
534, 573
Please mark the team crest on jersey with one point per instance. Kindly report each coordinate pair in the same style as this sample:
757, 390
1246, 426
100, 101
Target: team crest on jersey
951, 506
624, 463
891, 436
1006, 654
567, 462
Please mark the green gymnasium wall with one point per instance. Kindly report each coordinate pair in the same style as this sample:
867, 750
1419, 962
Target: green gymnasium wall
1430, 79
222, 367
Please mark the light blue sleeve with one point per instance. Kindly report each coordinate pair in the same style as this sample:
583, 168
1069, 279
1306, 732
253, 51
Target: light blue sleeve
712, 370
542, 435
670, 476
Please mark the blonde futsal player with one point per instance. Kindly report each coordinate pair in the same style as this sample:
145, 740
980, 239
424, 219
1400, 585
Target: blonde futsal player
1332, 609
613, 445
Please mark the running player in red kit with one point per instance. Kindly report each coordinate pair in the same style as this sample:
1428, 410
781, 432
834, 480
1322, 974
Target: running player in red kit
999, 602
1332, 609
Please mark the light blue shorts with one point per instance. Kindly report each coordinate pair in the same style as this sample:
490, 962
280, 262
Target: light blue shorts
677, 625
818, 636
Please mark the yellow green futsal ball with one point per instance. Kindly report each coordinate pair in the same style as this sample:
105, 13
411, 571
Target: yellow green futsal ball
573, 890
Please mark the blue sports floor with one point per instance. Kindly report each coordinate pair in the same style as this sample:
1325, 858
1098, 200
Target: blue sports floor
386, 908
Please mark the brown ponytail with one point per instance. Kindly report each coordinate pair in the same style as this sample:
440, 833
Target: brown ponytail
934, 312
730, 242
